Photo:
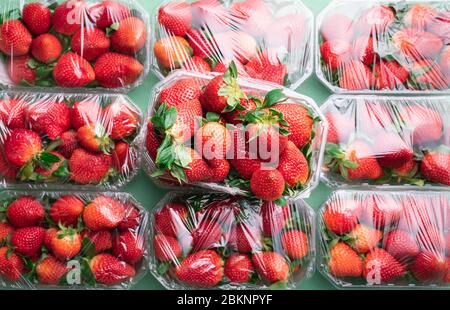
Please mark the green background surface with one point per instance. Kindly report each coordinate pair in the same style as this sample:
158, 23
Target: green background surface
148, 194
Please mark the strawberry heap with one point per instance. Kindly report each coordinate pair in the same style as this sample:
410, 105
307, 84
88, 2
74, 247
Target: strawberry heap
69, 240
67, 139
206, 35
386, 238
387, 46
74, 44
388, 141
212, 131
223, 241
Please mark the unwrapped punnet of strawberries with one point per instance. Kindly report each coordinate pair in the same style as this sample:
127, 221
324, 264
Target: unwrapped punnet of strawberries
386, 238
387, 140
57, 139
73, 44
267, 40
384, 46
231, 242
233, 135
71, 240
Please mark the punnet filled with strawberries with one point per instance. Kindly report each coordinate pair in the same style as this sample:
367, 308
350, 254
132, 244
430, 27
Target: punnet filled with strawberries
54, 140
385, 238
231, 242
233, 135
84, 44
374, 140
266, 39
384, 46
71, 240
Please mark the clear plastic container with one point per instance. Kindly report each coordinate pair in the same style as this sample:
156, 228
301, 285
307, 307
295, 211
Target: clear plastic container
269, 40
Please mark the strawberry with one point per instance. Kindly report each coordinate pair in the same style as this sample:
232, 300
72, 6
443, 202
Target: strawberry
124, 119
49, 118
241, 46
364, 238
419, 16
295, 244
293, 165
5, 231
12, 113
114, 70
7, 171
267, 66
197, 170
172, 52
341, 216
106, 13
425, 123
219, 170
392, 150
363, 50
94, 138
254, 16
335, 53
429, 267
222, 67
89, 168
430, 237
66, 210
152, 141
20, 72
15, 39
69, 16
130, 37
25, 211
225, 210
46, 48
129, 247
11, 265
344, 261
375, 20
340, 127
37, 17
171, 220
417, 44
68, 143
73, 71
197, 64
213, 141
28, 240
239, 268
84, 113
109, 270
406, 170
274, 218
245, 166
400, 244
206, 235
389, 74
50, 270
122, 157
267, 184
271, 266
176, 18
181, 92
202, 269
381, 211
102, 240
355, 76
49, 234
21, 146
336, 27
200, 43
426, 74
90, 43
248, 238
166, 248
103, 213
435, 165
66, 244
132, 218
383, 265
233, 117
211, 14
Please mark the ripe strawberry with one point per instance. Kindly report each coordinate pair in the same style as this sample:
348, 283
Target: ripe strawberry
90, 43
68, 143
267, 66
400, 244
355, 76
293, 165
46, 48
152, 141
274, 218
249, 104
197, 170
364, 238
429, 267
49, 118
392, 150
341, 216
84, 113
381, 211
295, 244
11, 266
109, 270
114, 70
50, 270
166, 248
102, 240
239, 268
49, 234
69, 16
267, 184
37, 17
103, 213
66, 244
202, 46
206, 235
25, 211
122, 157
335, 53
7, 171
254, 16
344, 261
132, 218
225, 211
271, 266
106, 13
197, 64
181, 92
417, 44
21, 146
172, 52
248, 238
28, 240
363, 50
219, 170
171, 220
419, 16
89, 168
130, 37
176, 18
129, 246
425, 123
94, 138
212, 141
375, 20
20, 72
340, 127
389, 74
124, 119
410, 167
15, 39
12, 113
426, 74
382, 264
202, 269
5, 231
73, 71
66, 210
336, 27
435, 165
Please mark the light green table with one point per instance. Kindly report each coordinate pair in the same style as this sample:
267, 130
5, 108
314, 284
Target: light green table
148, 194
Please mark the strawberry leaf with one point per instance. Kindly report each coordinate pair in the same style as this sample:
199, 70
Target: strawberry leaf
273, 97
281, 201
86, 273
87, 248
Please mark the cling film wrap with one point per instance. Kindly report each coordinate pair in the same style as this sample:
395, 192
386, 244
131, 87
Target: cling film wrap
384, 46
72, 240
177, 154
56, 140
385, 239
217, 241
269, 40
376, 140
88, 45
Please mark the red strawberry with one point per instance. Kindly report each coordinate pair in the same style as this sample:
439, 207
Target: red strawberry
28, 241
66, 210
425, 123
267, 66
49, 234
46, 48
130, 37
197, 64
435, 165
344, 261
295, 244
152, 141
132, 218
274, 218
219, 170
356, 76
419, 16
341, 215
66, 244
201, 45
49, 118
84, 113
392, 150
202, 269
267, 184
365, 165
246, 166
20, 72
7, 171
68, 143
239, 268
102, 240
124, 119
293, 165
50, 270
109, 270
103, 213
176, 18
122, 157
25, 211
73, 71
426, 74
417, 44
340, 127
69, 16
37, 17
89, 168
21, 146
222, 67
129, 246
106, 13
363, 50
248, 238
271, 266
364, 238
213, 141
12, 113
94, 138
181, 92
171, 220
90, 43
335, 53
400, 244
15, 39
166, 248
206, 235
114, 70
248, 104
429, 267
382, 266
11, 266
389, 74
380, 211
375, 20
239, 45
197, 170
5, 231
336, 27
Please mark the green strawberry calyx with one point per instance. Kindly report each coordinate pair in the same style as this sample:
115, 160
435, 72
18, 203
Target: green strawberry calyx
336, 160
232, 91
